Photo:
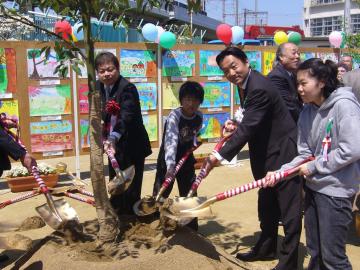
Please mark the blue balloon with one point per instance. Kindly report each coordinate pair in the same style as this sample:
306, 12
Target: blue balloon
78, 31
237, 34
149, 32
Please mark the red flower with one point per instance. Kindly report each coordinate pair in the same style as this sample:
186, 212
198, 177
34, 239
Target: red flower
112, 107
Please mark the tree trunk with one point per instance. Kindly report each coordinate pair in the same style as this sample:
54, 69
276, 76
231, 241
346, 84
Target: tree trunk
108, 221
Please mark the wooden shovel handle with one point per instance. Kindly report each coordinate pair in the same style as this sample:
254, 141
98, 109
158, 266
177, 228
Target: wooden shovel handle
280, 175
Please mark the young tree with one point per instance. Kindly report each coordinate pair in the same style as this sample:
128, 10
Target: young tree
82, 11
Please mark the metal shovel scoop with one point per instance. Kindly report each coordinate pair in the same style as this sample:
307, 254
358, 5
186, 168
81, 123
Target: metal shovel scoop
123, 179
55, 213
150, 204
200, 206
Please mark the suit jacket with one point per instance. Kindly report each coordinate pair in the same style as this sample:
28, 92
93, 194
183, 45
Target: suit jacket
287, 87
134, 143
352, 79
8, 147
267, 127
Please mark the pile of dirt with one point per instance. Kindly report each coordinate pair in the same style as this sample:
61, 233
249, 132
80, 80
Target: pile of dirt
141, 245
31, 223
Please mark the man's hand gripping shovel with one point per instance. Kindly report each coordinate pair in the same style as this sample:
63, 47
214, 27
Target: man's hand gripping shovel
200, 206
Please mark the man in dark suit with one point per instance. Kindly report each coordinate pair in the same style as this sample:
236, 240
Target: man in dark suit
124, 131
284, 78
270, 132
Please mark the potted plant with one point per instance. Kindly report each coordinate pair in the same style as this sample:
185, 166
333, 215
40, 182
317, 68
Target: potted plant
19, 179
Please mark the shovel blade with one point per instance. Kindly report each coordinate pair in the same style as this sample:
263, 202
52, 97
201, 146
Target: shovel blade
122, 181
65, 211
146, 206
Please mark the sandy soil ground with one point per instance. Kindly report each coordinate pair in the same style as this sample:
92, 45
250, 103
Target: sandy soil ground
233, 229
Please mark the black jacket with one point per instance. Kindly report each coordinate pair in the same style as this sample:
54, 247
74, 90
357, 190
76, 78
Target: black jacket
134, 143
266, 126
287, 87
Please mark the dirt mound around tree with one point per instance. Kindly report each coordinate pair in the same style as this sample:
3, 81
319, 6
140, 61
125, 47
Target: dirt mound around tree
141, 245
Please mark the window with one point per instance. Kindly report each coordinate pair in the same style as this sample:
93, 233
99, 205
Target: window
324, 26
355, 23
324, 2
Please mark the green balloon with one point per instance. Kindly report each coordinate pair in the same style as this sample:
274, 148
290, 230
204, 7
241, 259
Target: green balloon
343, 43
294, 37
167, 40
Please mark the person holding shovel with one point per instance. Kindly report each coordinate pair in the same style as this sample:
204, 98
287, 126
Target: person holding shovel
329, 130
180, 133
123, 130
266, 125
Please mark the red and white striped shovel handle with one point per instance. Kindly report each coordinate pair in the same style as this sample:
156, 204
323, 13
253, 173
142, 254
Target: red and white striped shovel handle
35, 172
113, 161
279, 176
20, 198
180, 163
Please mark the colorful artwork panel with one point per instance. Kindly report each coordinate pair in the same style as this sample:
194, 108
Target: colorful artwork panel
306, 55
170, 92
138, 63
42, 67
10, 108
148, 95
212, 124
7, 71
50, 100
208, 65
328, 56
51, 136
269, 59
254, 58
150, 123
84, 133
83, 98
178, 63
216, 94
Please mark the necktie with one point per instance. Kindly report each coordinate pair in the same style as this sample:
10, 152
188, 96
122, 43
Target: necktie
107, 92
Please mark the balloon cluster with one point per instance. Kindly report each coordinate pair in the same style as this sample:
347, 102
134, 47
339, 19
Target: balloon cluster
63, 28
229, 34
337, 39
281, 37
158, 34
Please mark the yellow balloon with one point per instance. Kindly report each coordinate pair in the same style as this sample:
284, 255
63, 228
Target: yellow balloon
73, 37
280, 37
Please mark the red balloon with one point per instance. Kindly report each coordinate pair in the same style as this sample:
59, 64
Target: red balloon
224, 33
63, 28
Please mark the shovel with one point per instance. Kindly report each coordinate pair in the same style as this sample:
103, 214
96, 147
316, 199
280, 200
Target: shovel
149, 205
61, 167
55, 213
123, 179
193, 207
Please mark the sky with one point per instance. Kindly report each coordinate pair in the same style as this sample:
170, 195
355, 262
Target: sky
280, 12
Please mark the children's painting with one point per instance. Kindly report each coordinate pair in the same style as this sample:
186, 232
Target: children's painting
254, 58
83, 98
7, 72
170, 93
306, 55
137, 63
41, 66
328, 56
148, 95
11, 110
216, 94
212, 124
268, 62
83, 70
150, 123
50, 100
51, 136
208, 65
178, 63
84, 133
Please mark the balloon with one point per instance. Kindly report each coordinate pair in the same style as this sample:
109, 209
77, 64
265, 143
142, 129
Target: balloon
79, 34
160, 30
335, 39
167, 40
237, 34
224, 33
63, 29
294, 37
343, 43
73, 37
280, 37
149, 32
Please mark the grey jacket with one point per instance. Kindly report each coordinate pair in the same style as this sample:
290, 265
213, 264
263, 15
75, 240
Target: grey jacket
340, 175
352, 79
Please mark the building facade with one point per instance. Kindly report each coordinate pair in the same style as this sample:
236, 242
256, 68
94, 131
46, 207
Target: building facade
321, 17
